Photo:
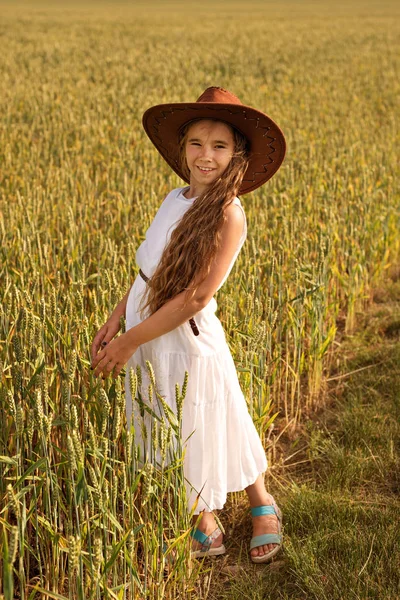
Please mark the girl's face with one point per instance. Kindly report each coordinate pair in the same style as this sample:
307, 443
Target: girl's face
209, 148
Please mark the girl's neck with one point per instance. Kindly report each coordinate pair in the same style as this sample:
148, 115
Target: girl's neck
194, 190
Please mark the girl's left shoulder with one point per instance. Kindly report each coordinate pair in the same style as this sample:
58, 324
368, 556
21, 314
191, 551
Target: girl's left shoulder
237, 201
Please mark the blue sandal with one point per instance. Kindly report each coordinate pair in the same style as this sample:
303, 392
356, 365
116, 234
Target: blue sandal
267, 538
206, 541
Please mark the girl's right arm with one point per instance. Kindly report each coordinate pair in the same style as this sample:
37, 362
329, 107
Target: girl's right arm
111, 327
173, 313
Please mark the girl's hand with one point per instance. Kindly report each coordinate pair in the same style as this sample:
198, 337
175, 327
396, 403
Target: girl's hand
105, 335
114, 356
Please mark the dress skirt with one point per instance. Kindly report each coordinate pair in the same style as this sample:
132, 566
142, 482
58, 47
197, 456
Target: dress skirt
223, 451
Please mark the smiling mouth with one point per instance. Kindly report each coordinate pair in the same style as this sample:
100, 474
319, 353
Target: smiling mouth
205, 169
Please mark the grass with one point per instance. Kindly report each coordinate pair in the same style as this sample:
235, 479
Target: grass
341, 506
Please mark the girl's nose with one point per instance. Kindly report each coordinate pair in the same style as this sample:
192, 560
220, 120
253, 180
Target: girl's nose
206, 152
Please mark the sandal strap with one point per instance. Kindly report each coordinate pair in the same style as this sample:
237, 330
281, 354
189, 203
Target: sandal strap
199, 535
257, 511
266, 538
205, 540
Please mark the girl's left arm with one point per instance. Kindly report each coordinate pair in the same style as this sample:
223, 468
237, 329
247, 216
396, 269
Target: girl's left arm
111, 327
173, 313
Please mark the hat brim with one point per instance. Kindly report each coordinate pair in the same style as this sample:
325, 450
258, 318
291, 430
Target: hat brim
266, 141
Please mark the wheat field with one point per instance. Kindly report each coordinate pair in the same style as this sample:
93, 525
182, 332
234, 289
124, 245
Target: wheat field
81, 515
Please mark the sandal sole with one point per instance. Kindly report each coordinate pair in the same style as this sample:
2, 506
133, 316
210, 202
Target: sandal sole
212, 552
266, 557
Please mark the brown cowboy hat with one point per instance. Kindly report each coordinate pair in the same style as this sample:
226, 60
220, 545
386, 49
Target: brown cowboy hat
267, 145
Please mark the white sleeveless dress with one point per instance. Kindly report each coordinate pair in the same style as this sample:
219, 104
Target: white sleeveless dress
224, 452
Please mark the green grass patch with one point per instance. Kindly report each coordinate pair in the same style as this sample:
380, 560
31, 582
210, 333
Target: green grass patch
341, 514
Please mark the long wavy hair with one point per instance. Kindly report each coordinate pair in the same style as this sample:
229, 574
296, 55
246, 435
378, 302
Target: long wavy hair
187, 257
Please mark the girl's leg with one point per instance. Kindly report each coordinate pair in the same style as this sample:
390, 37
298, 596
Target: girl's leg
258, 495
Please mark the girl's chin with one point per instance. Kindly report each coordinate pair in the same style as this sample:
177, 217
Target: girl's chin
207, 179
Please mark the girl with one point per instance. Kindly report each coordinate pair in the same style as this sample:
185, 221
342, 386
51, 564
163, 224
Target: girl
221, 148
